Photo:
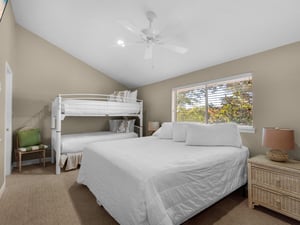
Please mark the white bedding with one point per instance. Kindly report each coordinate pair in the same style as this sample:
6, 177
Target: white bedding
160, 182
90, 107
71, 143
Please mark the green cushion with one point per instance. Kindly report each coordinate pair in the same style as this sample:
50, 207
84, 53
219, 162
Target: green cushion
29, 137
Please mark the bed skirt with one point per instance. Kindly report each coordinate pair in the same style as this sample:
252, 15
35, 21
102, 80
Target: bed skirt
70, 160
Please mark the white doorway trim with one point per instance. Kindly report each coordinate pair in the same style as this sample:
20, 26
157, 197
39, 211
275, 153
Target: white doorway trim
2, 188
8, 120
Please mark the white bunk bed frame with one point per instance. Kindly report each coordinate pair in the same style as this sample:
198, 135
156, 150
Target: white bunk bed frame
58, 115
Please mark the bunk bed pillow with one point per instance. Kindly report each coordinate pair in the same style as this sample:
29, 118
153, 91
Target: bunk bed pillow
121, 96
130, 125
132, 96
126, 126
114, 125
121, 126
111, 97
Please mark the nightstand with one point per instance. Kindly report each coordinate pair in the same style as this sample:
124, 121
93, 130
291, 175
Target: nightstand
274, 185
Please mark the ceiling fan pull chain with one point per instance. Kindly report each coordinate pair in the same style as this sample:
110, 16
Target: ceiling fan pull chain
152, 62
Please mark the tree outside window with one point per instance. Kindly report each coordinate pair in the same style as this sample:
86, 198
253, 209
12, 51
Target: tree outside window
228, 100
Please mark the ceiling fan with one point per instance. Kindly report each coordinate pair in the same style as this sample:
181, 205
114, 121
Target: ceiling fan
150, 37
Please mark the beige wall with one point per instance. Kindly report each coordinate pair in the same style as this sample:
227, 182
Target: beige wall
276, 81
7, 53
43, 72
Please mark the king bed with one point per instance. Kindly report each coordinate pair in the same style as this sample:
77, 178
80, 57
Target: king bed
158, 181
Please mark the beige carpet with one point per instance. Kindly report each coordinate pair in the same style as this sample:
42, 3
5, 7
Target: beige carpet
38, 197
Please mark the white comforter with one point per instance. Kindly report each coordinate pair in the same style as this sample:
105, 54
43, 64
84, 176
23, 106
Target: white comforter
160, 182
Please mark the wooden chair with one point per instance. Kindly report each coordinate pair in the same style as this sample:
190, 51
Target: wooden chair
29, 142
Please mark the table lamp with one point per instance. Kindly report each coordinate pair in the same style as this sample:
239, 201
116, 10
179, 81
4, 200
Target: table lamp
153, 126
279, 141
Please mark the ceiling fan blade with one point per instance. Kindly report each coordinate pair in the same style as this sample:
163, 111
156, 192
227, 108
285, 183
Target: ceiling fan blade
175, 48
130, 27
148, 52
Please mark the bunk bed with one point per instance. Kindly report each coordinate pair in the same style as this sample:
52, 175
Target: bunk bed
90, 105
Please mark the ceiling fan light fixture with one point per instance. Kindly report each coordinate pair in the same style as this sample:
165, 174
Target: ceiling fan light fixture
121, 43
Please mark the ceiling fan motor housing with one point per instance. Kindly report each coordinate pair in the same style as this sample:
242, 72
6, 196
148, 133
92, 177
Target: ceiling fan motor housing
150, 15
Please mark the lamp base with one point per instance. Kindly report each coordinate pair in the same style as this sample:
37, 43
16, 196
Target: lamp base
277, 155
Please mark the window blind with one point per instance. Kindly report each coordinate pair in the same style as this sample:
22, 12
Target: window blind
229, 100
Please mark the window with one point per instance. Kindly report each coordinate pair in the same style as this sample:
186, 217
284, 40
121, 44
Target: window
218, 101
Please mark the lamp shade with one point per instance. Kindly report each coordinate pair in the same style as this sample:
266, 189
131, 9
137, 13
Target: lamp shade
153, 125
278, 138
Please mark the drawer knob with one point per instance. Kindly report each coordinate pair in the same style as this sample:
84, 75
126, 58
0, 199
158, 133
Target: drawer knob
278, 203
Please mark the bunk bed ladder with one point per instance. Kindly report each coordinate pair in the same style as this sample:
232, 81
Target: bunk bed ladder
53, 131
58, 135
141, 118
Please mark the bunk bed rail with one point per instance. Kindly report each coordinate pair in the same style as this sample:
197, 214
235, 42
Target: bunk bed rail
100, 97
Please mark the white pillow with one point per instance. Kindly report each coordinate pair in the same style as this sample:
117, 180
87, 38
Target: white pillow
130, 125
114, 125
226, 134
121, 126
121, 96
111, 98
179, 130
166, 131
132, 96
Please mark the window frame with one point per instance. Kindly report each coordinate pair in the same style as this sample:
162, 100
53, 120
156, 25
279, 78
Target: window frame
242, 128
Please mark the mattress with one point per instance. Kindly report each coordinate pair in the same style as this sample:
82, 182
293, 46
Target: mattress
71, 143
93, 107
151, 181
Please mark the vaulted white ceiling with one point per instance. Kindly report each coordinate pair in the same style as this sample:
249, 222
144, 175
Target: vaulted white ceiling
214, 31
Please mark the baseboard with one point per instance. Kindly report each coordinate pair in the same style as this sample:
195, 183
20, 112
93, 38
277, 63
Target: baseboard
30, 162
2, 188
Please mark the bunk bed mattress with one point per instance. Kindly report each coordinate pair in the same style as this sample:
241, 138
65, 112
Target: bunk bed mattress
71, 143
151, 181
93, 107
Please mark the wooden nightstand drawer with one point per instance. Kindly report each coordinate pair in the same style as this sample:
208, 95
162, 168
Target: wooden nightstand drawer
275, 179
